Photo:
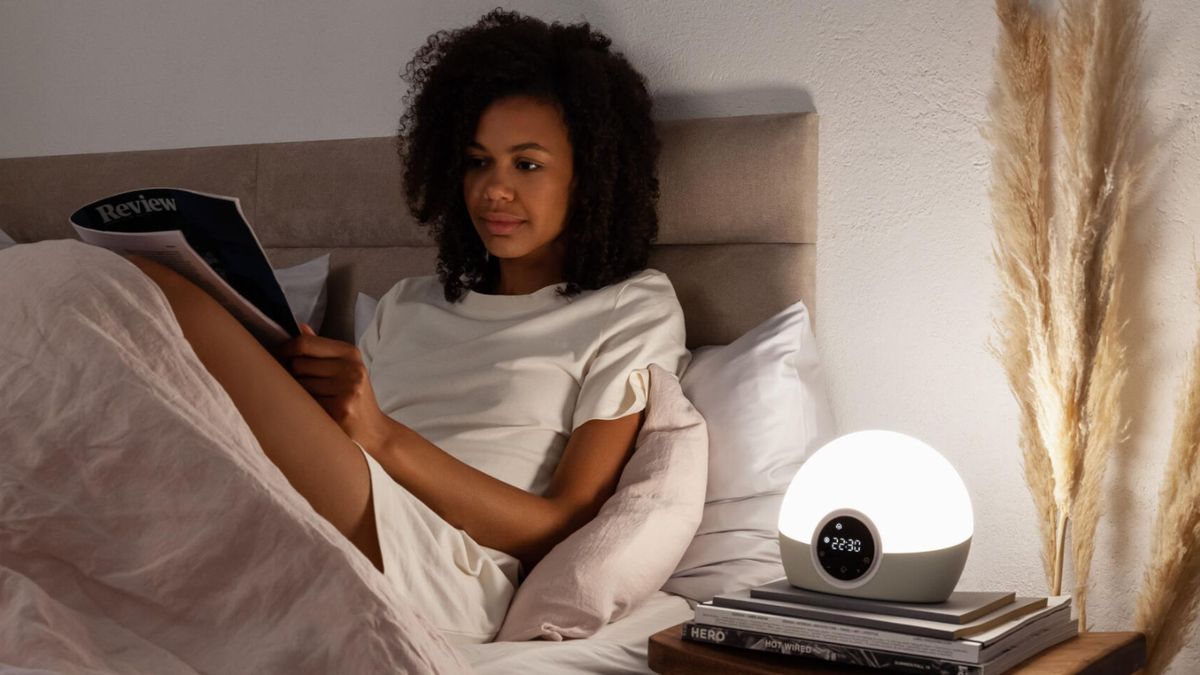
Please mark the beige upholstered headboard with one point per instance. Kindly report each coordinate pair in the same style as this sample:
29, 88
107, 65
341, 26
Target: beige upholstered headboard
737, 214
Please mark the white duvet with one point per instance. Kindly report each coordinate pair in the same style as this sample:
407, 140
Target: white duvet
142, 530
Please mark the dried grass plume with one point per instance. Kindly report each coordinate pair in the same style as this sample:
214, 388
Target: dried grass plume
1096, 63
1058, 246
1170, 595
1019, 134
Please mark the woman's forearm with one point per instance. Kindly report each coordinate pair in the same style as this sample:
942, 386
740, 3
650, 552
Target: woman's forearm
494, 513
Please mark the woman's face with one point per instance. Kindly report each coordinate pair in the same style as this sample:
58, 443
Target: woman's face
518, 181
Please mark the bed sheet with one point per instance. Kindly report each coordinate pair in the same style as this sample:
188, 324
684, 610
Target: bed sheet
619, 647
142, 528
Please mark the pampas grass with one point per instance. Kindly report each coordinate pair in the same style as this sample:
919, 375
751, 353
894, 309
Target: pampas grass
1020, 197
1168, 603
1095, 70
1057, 251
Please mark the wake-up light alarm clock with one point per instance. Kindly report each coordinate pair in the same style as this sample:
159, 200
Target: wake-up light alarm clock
876, 514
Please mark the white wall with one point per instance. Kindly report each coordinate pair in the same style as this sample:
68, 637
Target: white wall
907, 293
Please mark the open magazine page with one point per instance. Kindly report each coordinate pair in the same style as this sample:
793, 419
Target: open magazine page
203, 237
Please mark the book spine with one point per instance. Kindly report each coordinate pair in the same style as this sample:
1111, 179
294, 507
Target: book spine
824, 631
824, 651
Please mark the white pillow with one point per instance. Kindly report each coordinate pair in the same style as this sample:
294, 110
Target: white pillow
767, 409
6, 241
364, 312
304, 287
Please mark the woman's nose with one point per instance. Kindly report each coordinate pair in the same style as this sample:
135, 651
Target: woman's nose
497, 188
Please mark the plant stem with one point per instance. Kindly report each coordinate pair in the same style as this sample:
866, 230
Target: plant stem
1060, 541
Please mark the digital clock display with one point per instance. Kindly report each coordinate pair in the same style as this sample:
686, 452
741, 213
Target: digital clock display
845, 548
846, 545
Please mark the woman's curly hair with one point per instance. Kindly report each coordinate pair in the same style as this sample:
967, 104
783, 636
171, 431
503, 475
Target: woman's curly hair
453, 78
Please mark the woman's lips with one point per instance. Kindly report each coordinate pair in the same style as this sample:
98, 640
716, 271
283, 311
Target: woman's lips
502, 226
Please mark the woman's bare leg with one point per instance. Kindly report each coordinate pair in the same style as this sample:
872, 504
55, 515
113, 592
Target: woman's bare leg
295, 432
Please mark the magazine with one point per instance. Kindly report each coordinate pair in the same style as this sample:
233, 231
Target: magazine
203, 237
872, 658
976, 649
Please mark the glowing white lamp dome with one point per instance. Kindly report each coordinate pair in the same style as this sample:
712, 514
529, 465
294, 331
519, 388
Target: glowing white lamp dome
876, 514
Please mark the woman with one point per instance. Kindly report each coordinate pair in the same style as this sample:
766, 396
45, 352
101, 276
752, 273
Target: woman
488, 411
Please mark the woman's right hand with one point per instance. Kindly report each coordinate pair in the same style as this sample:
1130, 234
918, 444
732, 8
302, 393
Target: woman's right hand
334, 374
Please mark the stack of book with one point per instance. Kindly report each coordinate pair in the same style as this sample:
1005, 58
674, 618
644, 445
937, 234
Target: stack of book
972, 633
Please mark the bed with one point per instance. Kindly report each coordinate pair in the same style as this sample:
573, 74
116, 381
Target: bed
737, 238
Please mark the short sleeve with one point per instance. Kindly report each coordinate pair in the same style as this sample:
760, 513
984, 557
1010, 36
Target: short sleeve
645, 326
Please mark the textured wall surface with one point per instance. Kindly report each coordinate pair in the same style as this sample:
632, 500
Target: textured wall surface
907, 293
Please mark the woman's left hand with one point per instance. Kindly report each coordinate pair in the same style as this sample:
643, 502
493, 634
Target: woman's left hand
334, 373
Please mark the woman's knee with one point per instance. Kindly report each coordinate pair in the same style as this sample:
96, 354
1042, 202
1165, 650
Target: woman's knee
182, 295
165, 277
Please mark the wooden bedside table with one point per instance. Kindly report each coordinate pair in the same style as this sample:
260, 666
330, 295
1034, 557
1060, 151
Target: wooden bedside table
1087, 654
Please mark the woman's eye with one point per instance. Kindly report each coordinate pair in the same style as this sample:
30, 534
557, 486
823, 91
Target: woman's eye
480, 162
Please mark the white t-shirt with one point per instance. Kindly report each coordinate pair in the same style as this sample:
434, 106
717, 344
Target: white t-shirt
501, 381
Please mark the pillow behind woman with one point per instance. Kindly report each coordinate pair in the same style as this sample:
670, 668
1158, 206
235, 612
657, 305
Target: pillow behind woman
764, 398
609, 566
